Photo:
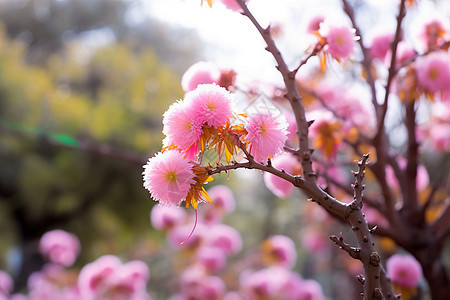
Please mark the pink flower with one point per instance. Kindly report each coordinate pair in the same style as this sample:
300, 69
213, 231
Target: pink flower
279, 250
212, 258
267, 135
60, 247
168, 177
200, 73
233, 5
404, 270
434, 33
309, 289
180, 233
210, 104
222, 203
166, 217
181, 127
6, 284
279, 186
314, 24
270, 283
224, 237
433, 72
380, 46
94, 277
108, 277
340, 40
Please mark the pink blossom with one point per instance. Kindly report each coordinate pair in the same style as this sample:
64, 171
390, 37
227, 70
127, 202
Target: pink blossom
181, 127
224, 237
404, 270
309, 290
180, 233
95, 276
267, 135
314, 23
340, 40
108, 277
212, 258
60, 247
200, 73
433, 72
279, 186
405, 52
434, 33
279, 250
233, 5
166, 217
168, 177
269, 283
222, 203
209, 104
380, 45
6, 284
314, 240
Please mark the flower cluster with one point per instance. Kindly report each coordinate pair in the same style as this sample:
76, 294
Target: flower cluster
107, 278
204, 120
405, 273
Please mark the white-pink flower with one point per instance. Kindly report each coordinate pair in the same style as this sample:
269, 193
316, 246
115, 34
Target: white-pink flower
209, 104
380, 45
166, 217
168, 177
60, 247
433, 72
341, 41
200, 73
6, 284
232, 4
181, 127
279, 186
279, 250
404, 270
267, 135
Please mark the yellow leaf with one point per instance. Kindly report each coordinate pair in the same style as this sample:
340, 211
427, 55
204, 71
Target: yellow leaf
227, 155
209, 2
205, 195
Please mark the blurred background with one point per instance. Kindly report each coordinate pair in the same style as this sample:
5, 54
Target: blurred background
83, 86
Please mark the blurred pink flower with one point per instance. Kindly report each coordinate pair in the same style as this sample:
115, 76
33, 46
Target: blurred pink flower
180, 233
434, 33
6, 283
209, 104
233, 5
309, 290
433, 72
404, 270
181, 127
279, 250
166, 217
222, 203
269, 283
60, 247
314, 240
380, 46
224, 237
200, 73
212, 258
267, 135
341, 41
314, 23
279, 186
108, 278
168, 177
